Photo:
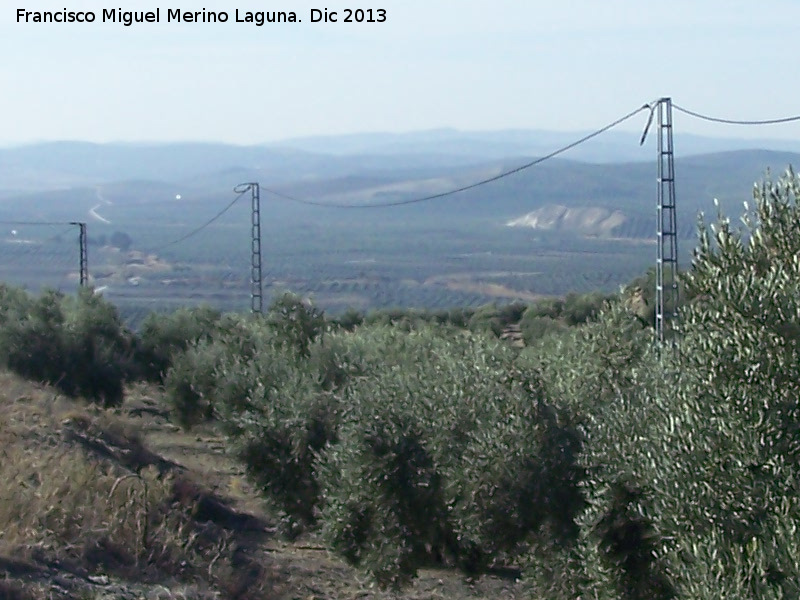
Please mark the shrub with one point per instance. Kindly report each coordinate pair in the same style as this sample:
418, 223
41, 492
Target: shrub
459, 317
274, 410
349, 320
100, 349
389, 316
606, 375
76, 343
191, 383
486, 319
444, 456
547, 307
278, 420
13, 302
693, 457
535, 328
511, 313
33, 339
739, 454
194, 380
163, 337
580, 308
297, 323
282, 411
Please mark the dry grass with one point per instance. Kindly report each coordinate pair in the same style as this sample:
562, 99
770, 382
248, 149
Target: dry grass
62, 505
81, 495
95, 492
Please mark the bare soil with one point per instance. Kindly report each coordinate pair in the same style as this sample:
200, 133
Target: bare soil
298, 570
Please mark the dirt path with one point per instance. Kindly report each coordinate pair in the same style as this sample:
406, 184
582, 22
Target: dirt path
93, 211
304, 568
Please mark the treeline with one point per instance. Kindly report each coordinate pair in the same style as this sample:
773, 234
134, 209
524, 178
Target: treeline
598, 464
76, 343
534, 319
81, 345
293, 387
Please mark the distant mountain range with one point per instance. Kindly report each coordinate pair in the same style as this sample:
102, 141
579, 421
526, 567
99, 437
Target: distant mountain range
64, 164
584, 220
66, 180
610, 147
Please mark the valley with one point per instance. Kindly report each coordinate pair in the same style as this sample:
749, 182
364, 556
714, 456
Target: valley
562, 226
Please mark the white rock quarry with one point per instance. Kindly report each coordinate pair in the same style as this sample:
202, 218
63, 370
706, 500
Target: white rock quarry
589, 220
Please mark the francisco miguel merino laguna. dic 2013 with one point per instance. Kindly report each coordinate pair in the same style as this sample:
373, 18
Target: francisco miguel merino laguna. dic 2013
258, 18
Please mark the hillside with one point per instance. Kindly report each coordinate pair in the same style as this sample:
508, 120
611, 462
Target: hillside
581, 220
73, 507
611, 147
456, 250
540, 451
139, 180
61, 164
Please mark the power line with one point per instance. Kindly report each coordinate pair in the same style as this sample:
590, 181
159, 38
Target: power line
36, 249
69, 226
48, 223
201, 227
698, 115
471, 186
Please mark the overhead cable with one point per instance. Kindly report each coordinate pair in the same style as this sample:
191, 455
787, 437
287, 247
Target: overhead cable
698, 115
201, 227
471, 186
48, 223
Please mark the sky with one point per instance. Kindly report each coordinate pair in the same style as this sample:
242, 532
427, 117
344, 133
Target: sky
574, 65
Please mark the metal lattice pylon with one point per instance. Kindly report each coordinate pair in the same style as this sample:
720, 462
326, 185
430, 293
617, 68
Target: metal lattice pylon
83, 243
667, 233
256, 287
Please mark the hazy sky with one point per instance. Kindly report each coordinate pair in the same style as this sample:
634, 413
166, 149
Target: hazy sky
465, 64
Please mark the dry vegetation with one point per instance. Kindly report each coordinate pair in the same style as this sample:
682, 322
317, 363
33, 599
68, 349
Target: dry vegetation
86, 511
106, 503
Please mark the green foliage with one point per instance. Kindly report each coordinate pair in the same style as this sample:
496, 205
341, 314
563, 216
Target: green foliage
278, 420
487, 318
604, 466
580, 308
191, 382
535, 328
413, 447
99, 352
387, 316
410, 318
75, 343
606, 375
162, 337
296, 322
741, 365
510, 313
33, 337
444, 454
552, 308
13, 302
273, 408
459, 317
349, 319
693, 459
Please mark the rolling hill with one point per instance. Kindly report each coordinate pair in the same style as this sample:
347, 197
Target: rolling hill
600, 231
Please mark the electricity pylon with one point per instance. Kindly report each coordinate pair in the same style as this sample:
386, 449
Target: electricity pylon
667, 229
